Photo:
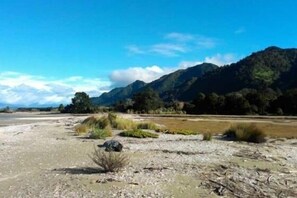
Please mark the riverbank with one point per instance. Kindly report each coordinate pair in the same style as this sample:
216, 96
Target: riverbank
43, 158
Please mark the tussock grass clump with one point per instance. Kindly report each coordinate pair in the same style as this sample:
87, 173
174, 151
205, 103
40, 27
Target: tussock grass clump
245, 132
90, 121
137, 133
124, 124
80, 129
207, 136
98, 133
147, 125
110, 161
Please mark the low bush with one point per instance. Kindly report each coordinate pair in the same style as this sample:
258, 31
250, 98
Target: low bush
207, 136
147, 125
98, 133
245, 132
109, 161
80, 129
137, 133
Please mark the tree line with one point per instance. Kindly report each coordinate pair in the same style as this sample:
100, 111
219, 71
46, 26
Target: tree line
245, 102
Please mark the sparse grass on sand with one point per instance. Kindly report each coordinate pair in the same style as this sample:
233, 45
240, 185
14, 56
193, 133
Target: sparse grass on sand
137, 133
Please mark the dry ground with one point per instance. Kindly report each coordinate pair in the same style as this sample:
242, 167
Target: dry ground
45, 159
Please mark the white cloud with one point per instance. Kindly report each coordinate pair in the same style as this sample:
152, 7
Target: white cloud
133, 49
221, 59
25, 89
175, 45
180, 36
218, 59
186, 64
168, 49
147, 74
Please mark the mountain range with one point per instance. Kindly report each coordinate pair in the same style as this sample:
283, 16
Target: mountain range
272, 67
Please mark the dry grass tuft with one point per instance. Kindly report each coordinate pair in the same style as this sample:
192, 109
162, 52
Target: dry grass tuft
110, 161
245, 132
80, 129
207, 136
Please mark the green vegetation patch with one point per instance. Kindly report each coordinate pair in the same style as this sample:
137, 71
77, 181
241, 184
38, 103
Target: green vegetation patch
147, 125
177, 131
245, 132
97, 133
137, 133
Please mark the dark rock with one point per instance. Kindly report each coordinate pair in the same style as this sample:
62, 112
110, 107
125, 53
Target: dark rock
112, 145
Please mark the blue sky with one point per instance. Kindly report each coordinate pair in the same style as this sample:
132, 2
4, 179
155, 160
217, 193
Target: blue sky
51, 49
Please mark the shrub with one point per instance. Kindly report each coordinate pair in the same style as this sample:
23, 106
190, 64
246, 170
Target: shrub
80, 129
98, 133
147, 125
109, 161
207, 136
137, 133
245, 132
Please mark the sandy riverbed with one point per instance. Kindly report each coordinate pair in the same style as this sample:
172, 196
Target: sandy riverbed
45, 159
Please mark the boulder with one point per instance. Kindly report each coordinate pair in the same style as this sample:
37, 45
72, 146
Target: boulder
112, 145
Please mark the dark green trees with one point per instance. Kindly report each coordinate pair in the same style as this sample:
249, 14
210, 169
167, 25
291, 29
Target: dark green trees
81, 103
146, 101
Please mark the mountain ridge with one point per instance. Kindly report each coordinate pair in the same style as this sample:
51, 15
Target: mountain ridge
272, 67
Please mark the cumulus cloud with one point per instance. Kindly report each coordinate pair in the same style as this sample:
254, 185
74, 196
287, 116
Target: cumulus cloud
147, 74
221, 59
218, 59
174, 44
25, 89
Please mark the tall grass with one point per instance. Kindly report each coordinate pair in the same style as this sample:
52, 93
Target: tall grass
124, 124
245, 132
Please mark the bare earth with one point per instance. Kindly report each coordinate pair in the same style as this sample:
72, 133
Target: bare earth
45, 159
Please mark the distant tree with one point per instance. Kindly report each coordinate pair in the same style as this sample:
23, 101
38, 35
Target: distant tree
146, 101
236, 104
81, 103
287, 103
61, 108
124, 105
